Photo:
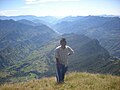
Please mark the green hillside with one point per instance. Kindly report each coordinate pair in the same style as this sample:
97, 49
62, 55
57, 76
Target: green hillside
89, 56
17, 40
73, 81
27, 52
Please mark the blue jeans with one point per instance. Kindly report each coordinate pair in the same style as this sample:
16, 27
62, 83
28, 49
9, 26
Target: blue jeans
61, 70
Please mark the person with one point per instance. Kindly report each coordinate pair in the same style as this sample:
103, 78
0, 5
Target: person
61, 54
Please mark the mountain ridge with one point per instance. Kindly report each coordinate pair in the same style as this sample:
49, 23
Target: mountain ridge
20, 38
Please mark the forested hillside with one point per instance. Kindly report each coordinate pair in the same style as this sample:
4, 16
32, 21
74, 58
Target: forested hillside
27, 46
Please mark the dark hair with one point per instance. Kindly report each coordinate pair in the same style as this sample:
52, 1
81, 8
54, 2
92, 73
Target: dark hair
63, 40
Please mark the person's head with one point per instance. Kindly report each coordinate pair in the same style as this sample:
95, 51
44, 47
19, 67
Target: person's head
63, 42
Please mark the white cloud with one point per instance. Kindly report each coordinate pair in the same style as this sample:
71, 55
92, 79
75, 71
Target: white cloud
26, 7
5, 12
46, 1
31, 1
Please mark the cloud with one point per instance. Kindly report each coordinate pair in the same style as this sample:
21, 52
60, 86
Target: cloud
26, 7
46, 1
5, 12
31, 1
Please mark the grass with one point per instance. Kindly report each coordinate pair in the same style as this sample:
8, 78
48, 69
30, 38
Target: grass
73, 81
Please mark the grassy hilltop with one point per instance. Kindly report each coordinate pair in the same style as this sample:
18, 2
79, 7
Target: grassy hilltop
73, 81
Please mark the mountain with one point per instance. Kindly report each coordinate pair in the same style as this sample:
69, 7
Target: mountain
28, 17
40, 62
90, 56
73, 81
20, 31
28, 22
27, 51
45, 19
105, 29
17, 40
86, 23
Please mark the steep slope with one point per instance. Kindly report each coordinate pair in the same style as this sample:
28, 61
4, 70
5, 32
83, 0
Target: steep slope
87, 53
105, 29
17, 40
28, 22
112, 66
27, 52
89, 56
73, 81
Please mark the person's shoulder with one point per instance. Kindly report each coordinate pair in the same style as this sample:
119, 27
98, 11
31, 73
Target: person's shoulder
67, 46
58, 47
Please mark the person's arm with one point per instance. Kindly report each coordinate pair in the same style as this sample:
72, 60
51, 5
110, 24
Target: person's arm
58, 63
71, 51
57, 56
57, 60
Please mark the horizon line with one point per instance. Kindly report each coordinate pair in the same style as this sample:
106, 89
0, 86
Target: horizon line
61, 16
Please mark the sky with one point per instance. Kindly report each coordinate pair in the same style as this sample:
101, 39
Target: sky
59, 7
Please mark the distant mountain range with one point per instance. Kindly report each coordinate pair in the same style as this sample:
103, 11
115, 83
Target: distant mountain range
105, 29
48, 20
27, 46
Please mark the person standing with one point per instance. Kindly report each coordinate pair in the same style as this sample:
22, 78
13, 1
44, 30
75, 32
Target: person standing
61, 54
